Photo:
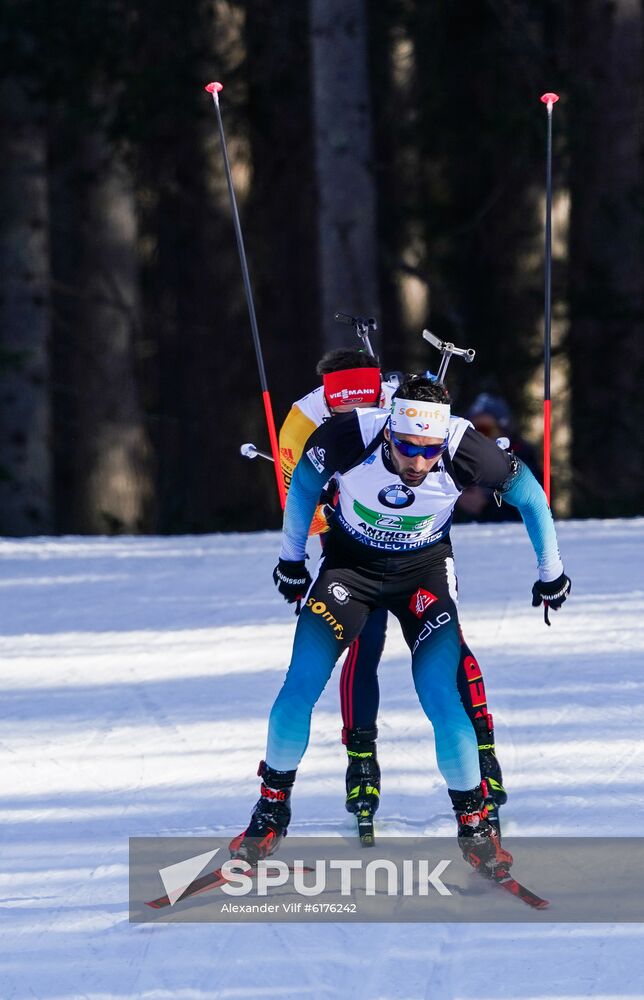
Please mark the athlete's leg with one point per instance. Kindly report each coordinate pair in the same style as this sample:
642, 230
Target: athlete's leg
472, 688
359, 699
325, 627
429, 618
329, 620
470, 683
359, 691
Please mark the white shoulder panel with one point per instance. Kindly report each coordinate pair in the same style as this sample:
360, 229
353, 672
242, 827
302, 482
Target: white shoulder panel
313, 406
457, 428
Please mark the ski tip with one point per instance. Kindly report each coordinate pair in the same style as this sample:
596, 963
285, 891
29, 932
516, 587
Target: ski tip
523, 893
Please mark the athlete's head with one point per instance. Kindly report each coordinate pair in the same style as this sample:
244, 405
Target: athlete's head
490, 415
351, 379
418, 428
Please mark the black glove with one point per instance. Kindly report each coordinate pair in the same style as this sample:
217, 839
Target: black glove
329, 494
292, 579
552, 594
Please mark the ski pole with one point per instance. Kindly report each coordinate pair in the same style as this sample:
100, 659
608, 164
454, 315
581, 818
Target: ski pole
250, 451
213, 89
549, 100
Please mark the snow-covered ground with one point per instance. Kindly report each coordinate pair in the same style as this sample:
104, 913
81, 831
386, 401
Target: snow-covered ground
137, 675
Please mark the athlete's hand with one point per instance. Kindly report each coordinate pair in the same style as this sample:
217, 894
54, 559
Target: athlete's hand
292, 579
553, 594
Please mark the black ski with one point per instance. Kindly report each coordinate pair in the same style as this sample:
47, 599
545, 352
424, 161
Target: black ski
364, 818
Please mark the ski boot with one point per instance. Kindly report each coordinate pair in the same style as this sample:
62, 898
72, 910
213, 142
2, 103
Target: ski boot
363, 780
270, 819
478, 838
494, 793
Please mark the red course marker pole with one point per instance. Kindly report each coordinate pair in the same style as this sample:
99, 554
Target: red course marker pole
214, 89
549, 100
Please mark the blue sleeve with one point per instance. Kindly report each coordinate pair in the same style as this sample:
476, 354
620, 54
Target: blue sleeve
523, 491
302, 499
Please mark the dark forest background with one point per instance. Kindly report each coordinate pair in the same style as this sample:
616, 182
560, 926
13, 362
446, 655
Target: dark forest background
389, 160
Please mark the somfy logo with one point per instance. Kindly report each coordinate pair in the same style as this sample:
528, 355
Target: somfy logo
320, 608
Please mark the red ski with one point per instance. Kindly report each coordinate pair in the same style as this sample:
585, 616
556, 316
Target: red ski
209, 881
515, 888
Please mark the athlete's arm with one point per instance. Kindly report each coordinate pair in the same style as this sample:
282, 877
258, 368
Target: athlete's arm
294, 433
300, 507
333, 447
480, 461
523, 491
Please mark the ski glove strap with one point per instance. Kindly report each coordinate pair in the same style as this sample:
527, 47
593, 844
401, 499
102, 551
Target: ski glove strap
292, 579
553, 594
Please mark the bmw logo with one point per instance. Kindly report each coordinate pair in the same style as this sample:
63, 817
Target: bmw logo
397, 495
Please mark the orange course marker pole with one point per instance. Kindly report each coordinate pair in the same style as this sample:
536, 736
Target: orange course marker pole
549, 100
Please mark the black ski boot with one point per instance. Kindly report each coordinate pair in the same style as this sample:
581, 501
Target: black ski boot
478, 838
494, 793
363, 779
270, 819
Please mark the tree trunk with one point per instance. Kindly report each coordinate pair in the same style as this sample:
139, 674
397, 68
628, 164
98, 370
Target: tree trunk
344, 163
26, 496
203, 376
280, 215
104, 456
606, 259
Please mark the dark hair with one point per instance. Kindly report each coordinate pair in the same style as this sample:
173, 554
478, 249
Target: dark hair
423, 389
342, 358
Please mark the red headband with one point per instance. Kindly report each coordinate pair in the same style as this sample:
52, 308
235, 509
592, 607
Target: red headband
353, 385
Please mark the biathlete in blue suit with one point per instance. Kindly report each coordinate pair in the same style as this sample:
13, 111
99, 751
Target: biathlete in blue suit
400, 473
351, 379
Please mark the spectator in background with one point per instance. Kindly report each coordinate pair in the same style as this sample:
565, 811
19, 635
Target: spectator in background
492, 417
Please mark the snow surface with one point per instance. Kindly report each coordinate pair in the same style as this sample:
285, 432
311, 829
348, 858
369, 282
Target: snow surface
137, 678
